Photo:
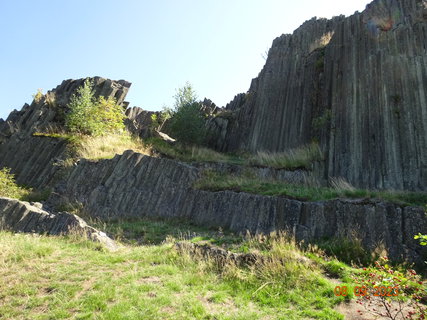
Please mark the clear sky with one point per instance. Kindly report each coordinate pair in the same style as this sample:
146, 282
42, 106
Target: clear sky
158, 45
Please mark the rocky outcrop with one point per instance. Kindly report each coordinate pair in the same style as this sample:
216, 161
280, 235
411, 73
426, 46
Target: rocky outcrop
223, 257
139, 122
134, 185
19, 216
356, 85
32, 158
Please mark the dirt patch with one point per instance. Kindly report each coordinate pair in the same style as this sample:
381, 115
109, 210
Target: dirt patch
169, 310
213, 308
86, 286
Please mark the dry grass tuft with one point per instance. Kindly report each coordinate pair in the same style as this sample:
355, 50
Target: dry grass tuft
340, 184
106, 147
301, 157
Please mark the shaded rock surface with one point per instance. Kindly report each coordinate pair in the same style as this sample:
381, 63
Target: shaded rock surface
19, 216
32, 159
134, 185
356, 85
139, 122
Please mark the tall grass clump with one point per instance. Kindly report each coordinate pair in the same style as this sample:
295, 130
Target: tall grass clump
301, 157
105, 147
186, 153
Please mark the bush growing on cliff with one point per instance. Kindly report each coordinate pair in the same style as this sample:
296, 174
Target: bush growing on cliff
187, 122
90, 116
8, 187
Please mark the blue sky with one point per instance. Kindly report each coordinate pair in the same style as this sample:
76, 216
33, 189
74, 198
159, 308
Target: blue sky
158, 45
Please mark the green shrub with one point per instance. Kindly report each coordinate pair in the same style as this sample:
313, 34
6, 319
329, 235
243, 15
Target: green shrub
8, 186
38, 95
188, 124
90, 116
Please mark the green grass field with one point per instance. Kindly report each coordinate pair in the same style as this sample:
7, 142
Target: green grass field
66, 278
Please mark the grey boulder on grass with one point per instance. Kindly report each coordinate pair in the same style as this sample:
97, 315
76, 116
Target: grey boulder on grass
20, 216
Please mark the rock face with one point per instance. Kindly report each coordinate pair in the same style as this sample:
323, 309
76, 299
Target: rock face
139, 121
19, 216
357, 85
32, 159
134, 185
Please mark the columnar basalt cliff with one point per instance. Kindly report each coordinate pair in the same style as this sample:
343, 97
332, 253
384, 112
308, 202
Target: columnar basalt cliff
33, 158
357, 85
133, 185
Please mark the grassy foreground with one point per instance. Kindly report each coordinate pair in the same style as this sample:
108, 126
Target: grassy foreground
67, 278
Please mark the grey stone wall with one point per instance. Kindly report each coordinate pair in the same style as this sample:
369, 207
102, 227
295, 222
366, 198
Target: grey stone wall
134, 185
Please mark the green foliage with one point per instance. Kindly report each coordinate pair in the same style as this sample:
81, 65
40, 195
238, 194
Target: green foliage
154, 122
188, 124
321, 121
184, 96
422, 238
109, 116
159, 119
38, 95
90, 116
8, 186
346, 250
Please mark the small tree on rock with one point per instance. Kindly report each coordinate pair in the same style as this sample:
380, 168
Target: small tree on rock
90, 116
187, 122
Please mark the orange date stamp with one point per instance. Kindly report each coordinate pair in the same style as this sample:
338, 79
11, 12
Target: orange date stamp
363, 291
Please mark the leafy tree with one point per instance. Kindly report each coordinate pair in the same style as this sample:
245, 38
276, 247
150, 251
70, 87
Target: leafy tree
109, 115
91, 116
184, 96
188, 124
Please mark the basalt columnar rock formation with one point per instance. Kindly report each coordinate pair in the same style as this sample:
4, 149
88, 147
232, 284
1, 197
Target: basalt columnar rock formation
33, 158
19, 216
133, 185
356, 84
